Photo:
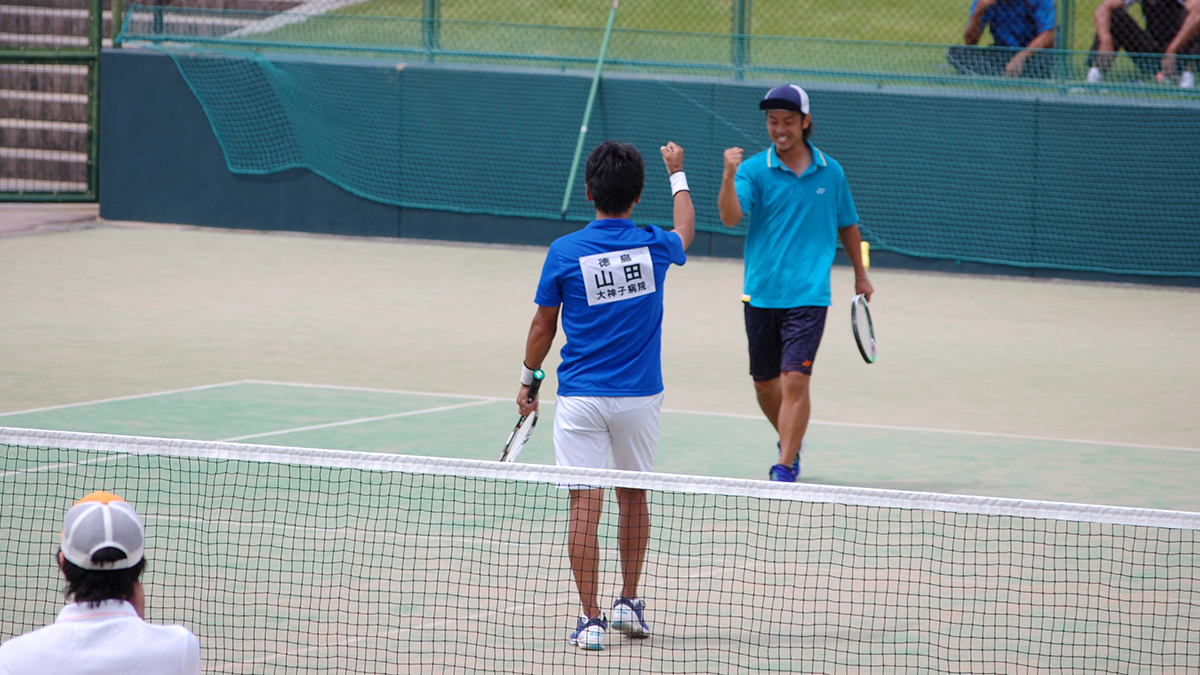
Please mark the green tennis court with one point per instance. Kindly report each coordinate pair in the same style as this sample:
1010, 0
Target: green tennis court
284, 559
985, 385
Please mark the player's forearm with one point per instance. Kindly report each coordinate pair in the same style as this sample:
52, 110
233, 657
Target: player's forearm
727, 203
1044, 40
685, 218
974, 29
541, 336
852, 242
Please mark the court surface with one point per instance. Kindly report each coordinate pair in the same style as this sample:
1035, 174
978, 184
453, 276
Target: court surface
987, 386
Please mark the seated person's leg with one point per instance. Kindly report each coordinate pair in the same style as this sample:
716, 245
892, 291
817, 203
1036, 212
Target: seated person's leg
1135, 40
1189, 64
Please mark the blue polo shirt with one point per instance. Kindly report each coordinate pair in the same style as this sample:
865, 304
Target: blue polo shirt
793, 228
609, 278
1014, 23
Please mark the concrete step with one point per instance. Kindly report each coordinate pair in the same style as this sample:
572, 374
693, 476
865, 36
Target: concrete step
47, 20
44, 135
20, 185
35, 41
260, 5
41, 105
61, 4
36, 164
62, 79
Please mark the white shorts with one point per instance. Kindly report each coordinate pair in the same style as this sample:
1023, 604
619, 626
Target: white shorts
592, 431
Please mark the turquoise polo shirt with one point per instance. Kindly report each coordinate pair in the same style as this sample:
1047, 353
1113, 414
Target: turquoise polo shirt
793, 228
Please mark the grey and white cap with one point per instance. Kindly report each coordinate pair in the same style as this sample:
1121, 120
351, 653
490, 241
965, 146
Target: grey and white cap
103, 520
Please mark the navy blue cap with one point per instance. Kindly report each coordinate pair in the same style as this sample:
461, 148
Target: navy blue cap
786, 97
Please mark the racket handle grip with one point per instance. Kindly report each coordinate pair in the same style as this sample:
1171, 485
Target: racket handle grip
538, 376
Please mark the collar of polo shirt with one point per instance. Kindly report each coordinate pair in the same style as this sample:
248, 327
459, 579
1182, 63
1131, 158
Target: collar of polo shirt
819, 161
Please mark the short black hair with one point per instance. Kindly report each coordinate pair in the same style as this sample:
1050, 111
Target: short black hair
96, 586
805, 132
615, 175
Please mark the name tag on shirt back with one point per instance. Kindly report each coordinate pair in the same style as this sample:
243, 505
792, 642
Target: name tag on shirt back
619, 275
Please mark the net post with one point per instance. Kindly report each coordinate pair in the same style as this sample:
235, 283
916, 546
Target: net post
587, 113
431, 14
740, 45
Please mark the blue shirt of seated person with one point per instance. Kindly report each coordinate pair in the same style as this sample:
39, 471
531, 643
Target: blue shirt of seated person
1015, 23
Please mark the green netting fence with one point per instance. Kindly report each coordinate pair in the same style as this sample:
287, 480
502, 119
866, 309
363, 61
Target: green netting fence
481, 117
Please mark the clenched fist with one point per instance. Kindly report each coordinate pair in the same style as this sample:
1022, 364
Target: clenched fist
672, 157
733, 159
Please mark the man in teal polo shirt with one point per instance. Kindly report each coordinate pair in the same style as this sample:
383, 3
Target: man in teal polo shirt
799, 205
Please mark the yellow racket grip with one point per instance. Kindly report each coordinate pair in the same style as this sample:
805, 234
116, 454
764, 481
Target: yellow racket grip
866, 255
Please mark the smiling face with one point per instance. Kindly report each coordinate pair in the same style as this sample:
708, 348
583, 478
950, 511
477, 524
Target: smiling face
786, 128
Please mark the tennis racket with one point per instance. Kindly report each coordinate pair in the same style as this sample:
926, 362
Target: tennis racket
864, 331
524, 429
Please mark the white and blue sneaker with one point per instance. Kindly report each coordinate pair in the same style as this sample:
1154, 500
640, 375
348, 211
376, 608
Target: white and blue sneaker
629, 617
589, 633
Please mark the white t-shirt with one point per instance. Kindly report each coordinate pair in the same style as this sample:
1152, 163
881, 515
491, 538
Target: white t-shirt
109, 639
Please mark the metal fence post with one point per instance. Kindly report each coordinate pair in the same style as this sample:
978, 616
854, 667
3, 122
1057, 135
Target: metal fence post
95, 46
740, 32
118, 17
432, 18
1066, 38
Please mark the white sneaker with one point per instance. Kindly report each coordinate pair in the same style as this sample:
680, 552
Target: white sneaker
629, 617
1187, 80
1094, 75
589, 633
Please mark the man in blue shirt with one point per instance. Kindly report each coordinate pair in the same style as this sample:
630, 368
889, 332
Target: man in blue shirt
1019, 29
608, 281
799, 205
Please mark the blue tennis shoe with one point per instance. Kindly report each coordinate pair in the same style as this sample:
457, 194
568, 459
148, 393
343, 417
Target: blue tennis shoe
589, 633
629, 618
781, 473
796, 461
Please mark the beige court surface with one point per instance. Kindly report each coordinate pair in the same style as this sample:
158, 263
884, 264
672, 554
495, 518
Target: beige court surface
1054, 386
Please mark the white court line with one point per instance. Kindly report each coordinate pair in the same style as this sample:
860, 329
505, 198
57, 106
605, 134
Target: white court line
487, 399
305, 385
934, 430
362, 420
59, 465
153, 394
855, 425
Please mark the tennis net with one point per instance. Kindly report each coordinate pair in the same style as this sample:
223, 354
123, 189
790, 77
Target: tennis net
298, 560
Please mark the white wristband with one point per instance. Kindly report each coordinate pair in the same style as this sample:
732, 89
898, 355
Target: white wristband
678, 183
526, 375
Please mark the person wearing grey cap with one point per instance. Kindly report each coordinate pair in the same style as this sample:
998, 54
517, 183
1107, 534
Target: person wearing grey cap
799, 206
102, 557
